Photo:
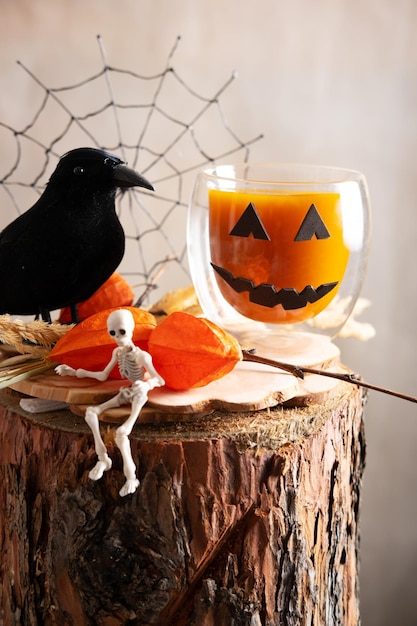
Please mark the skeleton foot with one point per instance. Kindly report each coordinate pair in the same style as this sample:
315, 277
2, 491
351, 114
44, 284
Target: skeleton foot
102, 465
130, 486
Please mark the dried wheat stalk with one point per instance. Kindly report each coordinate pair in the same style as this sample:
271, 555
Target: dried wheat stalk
33, 338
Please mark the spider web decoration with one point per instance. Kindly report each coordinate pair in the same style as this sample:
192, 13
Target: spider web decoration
159, 125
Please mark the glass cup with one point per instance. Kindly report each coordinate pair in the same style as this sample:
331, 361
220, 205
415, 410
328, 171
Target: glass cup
278, 250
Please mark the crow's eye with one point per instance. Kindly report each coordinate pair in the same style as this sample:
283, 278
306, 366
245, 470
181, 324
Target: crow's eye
78, 170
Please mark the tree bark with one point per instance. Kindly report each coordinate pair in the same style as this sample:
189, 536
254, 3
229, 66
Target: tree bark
231, 524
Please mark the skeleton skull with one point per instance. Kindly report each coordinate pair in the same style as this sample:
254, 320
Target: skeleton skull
120, 326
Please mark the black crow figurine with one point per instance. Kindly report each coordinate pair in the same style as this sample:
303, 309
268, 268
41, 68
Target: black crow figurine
60, 251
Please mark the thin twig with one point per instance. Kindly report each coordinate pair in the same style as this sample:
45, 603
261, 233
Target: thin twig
295, 370
299, 371
153, 283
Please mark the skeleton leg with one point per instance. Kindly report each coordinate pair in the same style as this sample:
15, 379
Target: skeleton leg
139, 397
92, 414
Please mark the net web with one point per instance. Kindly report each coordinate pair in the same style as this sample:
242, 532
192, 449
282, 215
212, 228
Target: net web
158, 124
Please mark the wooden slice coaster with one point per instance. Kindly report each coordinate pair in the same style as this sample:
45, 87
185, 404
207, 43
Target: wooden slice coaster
249, 387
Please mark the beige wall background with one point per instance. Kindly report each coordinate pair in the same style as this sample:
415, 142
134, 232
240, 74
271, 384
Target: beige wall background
326, 81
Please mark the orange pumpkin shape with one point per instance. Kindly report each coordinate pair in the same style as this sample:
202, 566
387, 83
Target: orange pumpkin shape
190, 352
89, 346
115, 292
277, 258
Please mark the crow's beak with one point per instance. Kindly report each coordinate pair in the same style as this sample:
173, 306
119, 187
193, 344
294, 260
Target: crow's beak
126, 177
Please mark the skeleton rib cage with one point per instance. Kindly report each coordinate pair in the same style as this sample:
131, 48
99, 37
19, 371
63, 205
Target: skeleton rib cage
128, 367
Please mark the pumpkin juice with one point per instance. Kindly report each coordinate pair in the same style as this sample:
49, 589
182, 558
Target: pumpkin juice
277, 258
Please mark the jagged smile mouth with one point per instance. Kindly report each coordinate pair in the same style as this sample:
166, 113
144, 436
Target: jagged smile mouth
267, 295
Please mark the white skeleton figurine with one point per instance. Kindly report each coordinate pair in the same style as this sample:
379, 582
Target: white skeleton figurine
132, 363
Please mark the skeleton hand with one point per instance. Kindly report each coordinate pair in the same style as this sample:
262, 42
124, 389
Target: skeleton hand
65, 370
155, 382
140, 388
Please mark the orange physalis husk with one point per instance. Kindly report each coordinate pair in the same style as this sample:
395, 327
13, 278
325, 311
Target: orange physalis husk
89, 346
115, 292
190, 351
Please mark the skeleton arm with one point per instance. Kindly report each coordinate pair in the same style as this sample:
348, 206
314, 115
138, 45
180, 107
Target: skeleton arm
144, 359
67, 370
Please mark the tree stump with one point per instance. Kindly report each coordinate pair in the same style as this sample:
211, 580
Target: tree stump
240, 518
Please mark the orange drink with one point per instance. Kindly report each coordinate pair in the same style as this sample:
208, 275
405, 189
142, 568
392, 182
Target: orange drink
277, 257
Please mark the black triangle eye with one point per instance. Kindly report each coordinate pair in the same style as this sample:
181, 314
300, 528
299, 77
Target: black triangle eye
312, 226
249, 223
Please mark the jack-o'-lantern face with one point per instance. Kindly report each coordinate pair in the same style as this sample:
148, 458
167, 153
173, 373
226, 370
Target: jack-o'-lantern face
277, 258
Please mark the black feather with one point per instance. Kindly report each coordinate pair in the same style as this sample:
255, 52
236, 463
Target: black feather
60, 251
